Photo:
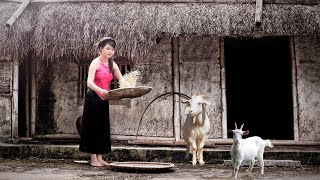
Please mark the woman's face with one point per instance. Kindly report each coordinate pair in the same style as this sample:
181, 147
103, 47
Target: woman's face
107, 51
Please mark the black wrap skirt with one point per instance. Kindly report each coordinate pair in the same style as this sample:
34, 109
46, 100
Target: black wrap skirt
95, 130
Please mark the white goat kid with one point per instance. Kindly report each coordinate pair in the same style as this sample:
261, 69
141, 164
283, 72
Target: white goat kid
196, 127
247, 150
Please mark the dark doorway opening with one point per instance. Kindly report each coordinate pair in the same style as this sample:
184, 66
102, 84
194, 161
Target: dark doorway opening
259, 86
24, 97
22, 130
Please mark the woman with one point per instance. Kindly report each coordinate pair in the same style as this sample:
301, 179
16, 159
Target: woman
95, 131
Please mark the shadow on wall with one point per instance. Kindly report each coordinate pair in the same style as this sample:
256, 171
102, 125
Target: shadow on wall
79, 124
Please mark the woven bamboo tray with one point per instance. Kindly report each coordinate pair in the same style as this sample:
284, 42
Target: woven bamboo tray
141, 166
132, 92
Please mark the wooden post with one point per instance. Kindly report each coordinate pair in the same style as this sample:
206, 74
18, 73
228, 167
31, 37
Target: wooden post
33, 98
176, 87
15, 95
17, 13
294, 91
223, 89
258, 13
26, 98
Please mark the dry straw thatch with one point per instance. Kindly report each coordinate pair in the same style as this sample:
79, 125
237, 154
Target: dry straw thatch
55, 30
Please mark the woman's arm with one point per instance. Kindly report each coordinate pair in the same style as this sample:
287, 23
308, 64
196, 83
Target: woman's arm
117, 73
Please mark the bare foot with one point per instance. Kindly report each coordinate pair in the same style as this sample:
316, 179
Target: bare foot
103, 162
96, 164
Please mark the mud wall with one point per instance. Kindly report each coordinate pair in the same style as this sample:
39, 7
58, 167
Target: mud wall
45, 123
308, 87
5, 117
200, 73
65, 88
152, 112
149, 115
57, 105
5, 97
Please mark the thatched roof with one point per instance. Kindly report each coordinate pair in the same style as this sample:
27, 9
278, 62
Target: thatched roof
52, 30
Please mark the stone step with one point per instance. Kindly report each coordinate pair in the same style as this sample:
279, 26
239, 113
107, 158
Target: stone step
304, 155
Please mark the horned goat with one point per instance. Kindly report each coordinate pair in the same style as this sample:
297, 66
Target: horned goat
247, 150
196, 127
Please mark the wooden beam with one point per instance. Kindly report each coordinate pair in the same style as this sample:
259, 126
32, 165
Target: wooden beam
17, 13
258, 15
308, 2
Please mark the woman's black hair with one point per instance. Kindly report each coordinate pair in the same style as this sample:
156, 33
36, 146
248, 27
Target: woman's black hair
102, 43
106, 40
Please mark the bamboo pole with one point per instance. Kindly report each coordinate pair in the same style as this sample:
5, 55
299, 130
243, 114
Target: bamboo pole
217, 142
310, 2
113, 137
294, 91
140, 140
258, 15
17, 13
26, 99
176, 87
15, 94
33, 98
57, 137
223, 89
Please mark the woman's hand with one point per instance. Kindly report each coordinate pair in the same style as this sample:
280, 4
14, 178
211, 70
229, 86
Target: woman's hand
104, 93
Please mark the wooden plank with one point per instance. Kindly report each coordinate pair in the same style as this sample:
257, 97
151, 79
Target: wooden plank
309, 2
15, 94
17, 13
176, 87
258, 15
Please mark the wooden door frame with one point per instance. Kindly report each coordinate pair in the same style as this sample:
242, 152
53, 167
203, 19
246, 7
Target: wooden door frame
293, 85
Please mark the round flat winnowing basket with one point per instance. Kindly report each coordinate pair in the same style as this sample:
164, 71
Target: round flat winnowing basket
131, 92
141, 166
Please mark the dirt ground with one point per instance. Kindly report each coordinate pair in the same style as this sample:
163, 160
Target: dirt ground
37, 169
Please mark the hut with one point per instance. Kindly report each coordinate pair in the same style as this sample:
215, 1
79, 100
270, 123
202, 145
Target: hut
258, 61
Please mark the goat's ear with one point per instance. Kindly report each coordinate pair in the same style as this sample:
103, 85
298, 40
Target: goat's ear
246, 132
230, 131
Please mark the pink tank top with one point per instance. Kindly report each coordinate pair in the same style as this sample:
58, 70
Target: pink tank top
103, 77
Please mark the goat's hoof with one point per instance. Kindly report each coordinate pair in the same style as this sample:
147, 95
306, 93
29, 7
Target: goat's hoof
201, 163
194, 163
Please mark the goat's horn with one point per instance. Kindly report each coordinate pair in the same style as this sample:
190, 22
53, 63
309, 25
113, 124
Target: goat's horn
241, 126
205, 95
235, 124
